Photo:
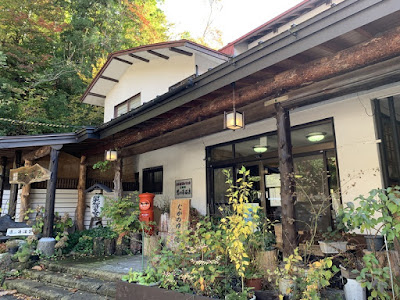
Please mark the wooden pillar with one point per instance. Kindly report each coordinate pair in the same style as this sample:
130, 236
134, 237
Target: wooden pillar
286, 172
12, 206
51, 192
80, 208
118, 178
2, 178
25, 193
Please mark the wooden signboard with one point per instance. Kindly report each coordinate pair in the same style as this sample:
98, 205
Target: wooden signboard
27, 175
179, 215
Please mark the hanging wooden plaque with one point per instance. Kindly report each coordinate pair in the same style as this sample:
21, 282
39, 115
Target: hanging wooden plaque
27, 175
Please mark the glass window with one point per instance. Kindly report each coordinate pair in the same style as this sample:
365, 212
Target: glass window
153, 180
221, 153
127, 105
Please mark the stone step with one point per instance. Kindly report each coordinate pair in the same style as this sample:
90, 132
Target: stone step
69, 281
82, 271
48, 291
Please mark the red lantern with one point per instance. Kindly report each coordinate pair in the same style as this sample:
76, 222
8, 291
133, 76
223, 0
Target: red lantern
146, 211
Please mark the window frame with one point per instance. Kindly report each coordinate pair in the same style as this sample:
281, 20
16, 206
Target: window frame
151, 187
127, 102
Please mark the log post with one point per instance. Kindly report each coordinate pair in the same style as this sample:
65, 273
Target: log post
80, 208
12, 205
25, 193
118, 178
286, 172
2, 178
51, 192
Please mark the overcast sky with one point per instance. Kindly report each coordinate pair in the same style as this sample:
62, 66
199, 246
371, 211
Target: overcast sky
236, 18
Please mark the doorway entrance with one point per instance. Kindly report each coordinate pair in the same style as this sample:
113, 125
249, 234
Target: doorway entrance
315, 174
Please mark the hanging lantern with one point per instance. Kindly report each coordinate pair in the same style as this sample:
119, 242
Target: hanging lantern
262, 146
233, 120
111, 155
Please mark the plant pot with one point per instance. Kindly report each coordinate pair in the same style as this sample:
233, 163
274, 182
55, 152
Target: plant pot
332, 247
374, 242
255, 283
267, 260
286, 286
354, 291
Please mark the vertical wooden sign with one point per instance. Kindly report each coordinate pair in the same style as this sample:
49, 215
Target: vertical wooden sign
179, 215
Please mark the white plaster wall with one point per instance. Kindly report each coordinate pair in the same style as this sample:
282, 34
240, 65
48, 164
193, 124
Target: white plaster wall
149, 79
357, 148
206, 63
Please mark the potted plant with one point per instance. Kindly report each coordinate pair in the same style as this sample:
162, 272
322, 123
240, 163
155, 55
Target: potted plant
375, 215
333, 242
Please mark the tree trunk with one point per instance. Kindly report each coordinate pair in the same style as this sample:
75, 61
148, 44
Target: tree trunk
81, 207
286, 172
25, 193
51, 193
12, 206
118, 178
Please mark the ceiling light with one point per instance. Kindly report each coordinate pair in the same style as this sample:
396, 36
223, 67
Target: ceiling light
316, 136
260, 148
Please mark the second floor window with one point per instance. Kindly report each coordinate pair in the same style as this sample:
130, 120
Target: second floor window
127, 105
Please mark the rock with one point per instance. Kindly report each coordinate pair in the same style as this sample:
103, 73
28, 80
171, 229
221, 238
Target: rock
46, 246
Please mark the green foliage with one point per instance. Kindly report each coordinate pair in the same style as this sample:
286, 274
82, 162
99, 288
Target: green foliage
52, 49
81, 242
122, 213
378, 212
148, 277
238, 226
23, 253
102, 165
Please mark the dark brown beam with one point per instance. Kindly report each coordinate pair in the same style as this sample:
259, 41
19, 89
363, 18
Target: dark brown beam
123, 60
12, 206
139, 57
97, 95
109, 78
158, 54
2, 178
286, 174
51, 193
39, 153
180, 51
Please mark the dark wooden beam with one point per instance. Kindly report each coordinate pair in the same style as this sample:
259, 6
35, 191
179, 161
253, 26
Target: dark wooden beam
123, 60
286, 174
12, 206
158, 54
97, 95
109, 78
39, 153
180, 51
2, 178
139, 57
51, 193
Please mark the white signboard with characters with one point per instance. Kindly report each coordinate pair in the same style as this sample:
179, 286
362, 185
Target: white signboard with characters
183, 188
